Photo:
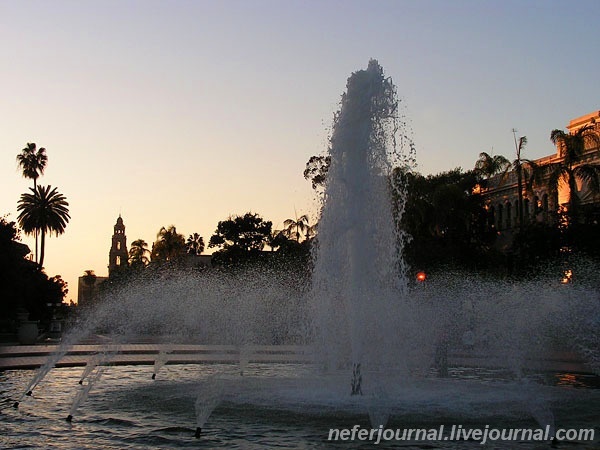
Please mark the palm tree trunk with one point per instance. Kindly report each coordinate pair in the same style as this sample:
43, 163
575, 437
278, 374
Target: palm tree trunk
42, 246
573, 200
36, 231
520, 195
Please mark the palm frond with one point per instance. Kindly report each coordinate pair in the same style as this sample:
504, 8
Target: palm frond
589, 173
555, 172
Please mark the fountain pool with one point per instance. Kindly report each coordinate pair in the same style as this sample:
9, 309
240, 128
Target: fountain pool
278, 405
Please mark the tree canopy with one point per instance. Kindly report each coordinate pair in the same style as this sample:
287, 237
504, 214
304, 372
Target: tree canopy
32, 162
169, 245
241, 236
572, 166
444, 219
44, 210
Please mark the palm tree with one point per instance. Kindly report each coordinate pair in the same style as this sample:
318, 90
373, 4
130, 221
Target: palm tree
487, 165
525, 169
276, 239
311, 230
571, 166
169, 244
89, 277
43, 210
32, 162
195, 244
138, 252
300, 224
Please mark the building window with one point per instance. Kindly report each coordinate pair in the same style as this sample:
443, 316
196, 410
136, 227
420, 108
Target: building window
500, 213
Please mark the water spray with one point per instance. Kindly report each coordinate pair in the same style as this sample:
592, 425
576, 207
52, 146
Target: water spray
356, 380
161, 360
83, 391
244, 358
209, 397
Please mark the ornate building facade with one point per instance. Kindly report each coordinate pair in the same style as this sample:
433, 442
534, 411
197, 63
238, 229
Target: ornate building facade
541, 203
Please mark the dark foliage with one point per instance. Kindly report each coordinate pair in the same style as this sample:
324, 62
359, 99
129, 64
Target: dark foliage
241, 238
23, 287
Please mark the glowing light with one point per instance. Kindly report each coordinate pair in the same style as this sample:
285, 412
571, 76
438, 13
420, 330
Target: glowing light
421, 276
567, 277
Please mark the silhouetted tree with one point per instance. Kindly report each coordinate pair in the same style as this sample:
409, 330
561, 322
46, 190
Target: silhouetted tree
487, 165
45, 210
138, 253
32, 162
89, 277
527, 171
316, 170
195, 244
444, 219
22, 284
276, 239
240, 237
169, 245
295, 227
572, 166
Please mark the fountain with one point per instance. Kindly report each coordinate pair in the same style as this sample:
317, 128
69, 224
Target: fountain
460, 349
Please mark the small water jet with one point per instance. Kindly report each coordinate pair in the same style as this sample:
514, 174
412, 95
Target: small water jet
356, 384
84, 391
161, 360
208, 398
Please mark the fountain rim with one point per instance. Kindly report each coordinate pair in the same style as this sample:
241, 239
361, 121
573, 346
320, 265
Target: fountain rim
24, 357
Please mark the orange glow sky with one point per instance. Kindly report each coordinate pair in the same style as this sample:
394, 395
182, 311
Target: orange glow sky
185, 112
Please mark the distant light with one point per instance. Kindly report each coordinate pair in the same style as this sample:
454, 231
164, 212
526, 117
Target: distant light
567, 277
421, 276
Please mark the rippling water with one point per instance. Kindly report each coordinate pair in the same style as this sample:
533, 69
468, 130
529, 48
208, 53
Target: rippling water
127, 409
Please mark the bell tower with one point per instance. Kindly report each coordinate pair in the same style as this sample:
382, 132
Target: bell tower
118, 255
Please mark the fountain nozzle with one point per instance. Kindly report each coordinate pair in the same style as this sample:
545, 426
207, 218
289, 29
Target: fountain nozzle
198, 432
15, 404
154, 376
69, 418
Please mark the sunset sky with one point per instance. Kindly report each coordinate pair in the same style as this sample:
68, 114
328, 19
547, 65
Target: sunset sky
184, 112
